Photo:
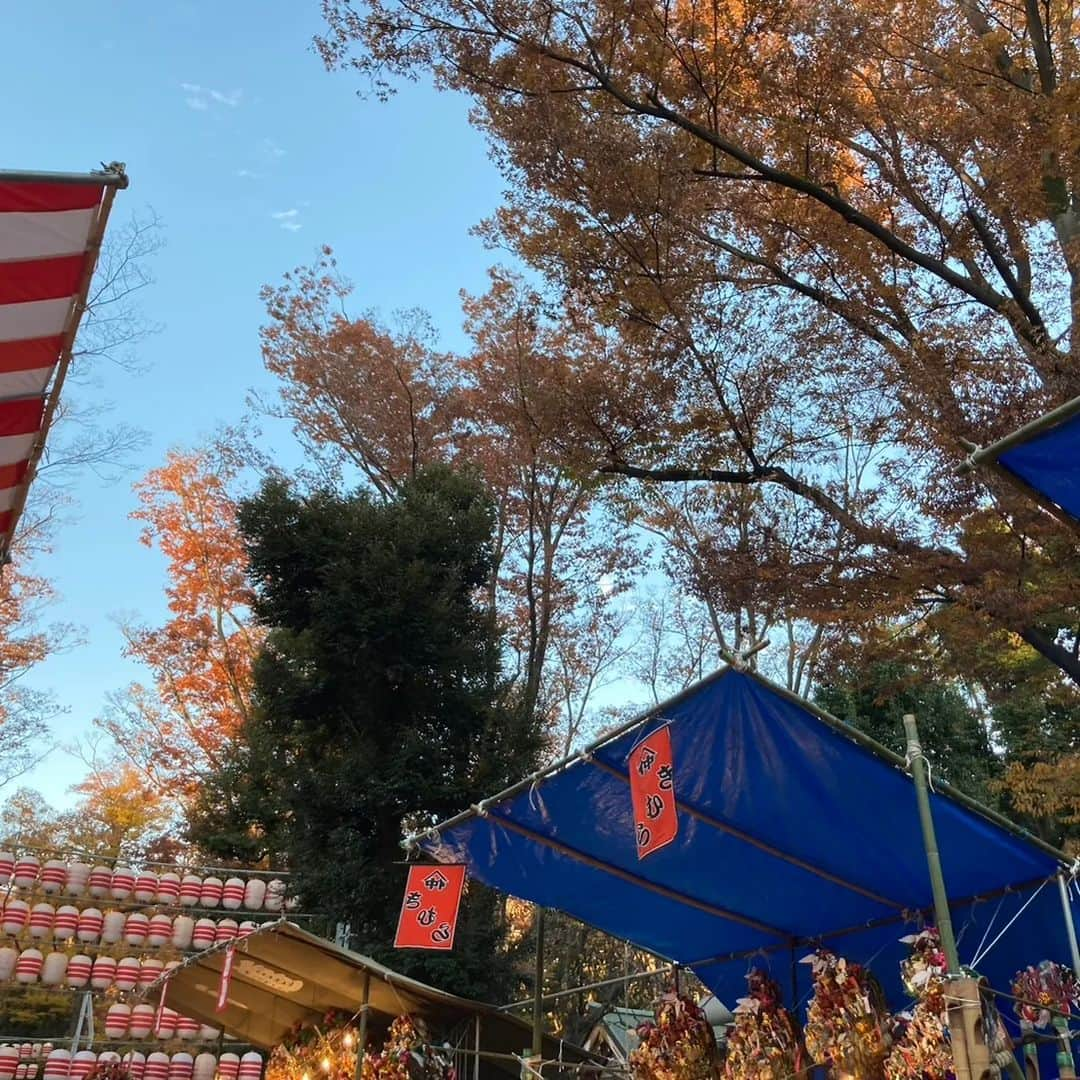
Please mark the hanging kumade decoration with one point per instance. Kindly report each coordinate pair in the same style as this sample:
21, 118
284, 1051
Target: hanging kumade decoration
846, 1021
921, 1049
652, 792
429, 909
678, 1045
322, 1051
1049, 994
765, 1043
407, 1055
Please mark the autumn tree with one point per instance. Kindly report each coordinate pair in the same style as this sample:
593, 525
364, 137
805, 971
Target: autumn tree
177, 727
887, 190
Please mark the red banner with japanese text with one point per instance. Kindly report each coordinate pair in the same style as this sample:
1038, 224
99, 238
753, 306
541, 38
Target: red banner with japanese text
430, 909
652, 792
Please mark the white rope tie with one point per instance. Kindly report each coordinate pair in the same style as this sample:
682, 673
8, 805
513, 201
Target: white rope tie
978, 959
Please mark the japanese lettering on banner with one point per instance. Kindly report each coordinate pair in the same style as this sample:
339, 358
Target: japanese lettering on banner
652, 792
226, 980
430, 909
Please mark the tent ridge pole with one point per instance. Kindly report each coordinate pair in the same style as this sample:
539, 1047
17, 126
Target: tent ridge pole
933, 857
1070, 926
1066, 411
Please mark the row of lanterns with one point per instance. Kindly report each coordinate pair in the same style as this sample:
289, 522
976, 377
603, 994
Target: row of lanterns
90, 926
63, 1065
79, 972
145, 887
143, 1021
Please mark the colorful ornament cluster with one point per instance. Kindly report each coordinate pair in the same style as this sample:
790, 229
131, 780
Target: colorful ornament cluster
765, 1042
678, 1045
846, 1021
921, 1048
23, 1062
1048, 992
407, 1055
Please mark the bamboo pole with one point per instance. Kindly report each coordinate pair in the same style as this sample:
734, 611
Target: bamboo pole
538, 989
361, 1040
933, 858
110, 176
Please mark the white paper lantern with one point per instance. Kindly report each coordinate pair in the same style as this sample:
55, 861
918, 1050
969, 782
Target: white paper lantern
226, 930
232, 895
53, 876
41, 921
205, 1067
182, 929
117, 1020
187, 1028
112, 927
16, 915
65, 922
100, 882
90, 924
190, 890
254, 894
26, 872
136, 927
181, 1067
251, 1066
128, 971
275, 895
28, 966
166, 1023
57, 1065
8, 958
103, 973
78, 970
78, 877
7, 866
123, 883
9, 1062
54, 968
229, 1067
150, 970
211, 892
142, 1021
168, 888
159, 930
204, 933
82, 1064
146, 887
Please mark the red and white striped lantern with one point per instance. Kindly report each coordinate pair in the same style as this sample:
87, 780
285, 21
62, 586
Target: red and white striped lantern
181, 1066
9, 1062
57, 1065
204, 934
190, 890
54, 968
251, 1066
128, 973
65, 922
142, 1021
41, 921
7, 866
232, 894
150, 970
26, 872
8, 959
187, 1028
166, 1024
108, 1057
123, 883
168, 888
53, 876
205, 1067
158, 930
146, 887
100, 882
136, 927
16, 916
208, 1034
226, 930
229, 1067
183, 928
254, 893
275, 895
89, 927
28, 966
112, 927
211, 892
22, 1071
248, 926
78, 970
157, 1066
117, 1020
134, 1063
103, 973
78, 877
82, 1064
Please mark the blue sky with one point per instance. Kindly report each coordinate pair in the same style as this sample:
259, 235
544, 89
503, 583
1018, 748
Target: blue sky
252, 155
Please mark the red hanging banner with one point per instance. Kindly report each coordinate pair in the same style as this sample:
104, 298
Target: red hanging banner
652, 792
226, 979
430, 909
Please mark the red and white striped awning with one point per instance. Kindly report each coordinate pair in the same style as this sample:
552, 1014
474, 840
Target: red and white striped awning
51, 226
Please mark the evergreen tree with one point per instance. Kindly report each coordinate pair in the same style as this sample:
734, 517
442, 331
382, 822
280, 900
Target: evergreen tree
378, 706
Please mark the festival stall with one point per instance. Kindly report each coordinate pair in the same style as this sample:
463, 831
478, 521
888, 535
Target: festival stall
306, 999
737, 830
51, 229
1043, 457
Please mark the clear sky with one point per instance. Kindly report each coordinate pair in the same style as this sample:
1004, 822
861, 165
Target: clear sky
253, 156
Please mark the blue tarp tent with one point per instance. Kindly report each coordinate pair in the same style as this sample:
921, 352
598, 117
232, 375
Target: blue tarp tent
1043, 456
793, 830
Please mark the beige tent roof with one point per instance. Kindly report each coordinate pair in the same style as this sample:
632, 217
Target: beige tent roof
285, 975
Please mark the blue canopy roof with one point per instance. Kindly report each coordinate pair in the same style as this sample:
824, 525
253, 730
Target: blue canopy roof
1044, 456
790, 832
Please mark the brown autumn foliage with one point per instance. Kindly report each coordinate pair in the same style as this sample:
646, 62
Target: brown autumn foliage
813, 225
200, 660
384, 403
